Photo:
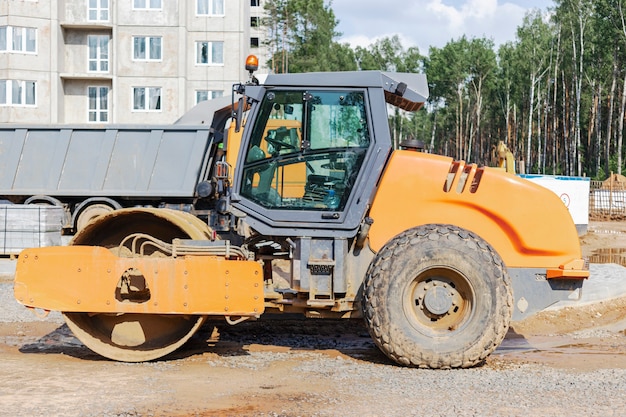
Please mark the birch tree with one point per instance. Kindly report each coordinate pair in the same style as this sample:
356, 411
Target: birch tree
534, 39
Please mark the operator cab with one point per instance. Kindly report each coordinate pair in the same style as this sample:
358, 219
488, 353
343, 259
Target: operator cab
313, 149
306, 150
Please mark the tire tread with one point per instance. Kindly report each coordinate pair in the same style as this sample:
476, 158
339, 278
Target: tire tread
378, 276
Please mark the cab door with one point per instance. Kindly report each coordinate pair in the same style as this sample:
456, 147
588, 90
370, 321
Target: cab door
307, 160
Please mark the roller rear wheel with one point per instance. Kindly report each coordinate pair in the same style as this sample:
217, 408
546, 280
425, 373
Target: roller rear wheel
136, 337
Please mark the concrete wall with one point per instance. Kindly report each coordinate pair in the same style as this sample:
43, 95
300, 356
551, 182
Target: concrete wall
27, 66
60, 66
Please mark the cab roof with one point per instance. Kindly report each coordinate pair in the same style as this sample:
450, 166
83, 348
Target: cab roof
407, 91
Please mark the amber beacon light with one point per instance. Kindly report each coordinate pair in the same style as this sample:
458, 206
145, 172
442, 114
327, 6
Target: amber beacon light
252, 63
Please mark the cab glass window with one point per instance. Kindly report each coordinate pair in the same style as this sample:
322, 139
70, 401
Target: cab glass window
306, 149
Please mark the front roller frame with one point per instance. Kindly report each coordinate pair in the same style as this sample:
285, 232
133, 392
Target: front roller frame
91, 279
437, 296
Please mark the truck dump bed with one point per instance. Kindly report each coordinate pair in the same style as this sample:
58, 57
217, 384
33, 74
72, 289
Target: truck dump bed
126, 161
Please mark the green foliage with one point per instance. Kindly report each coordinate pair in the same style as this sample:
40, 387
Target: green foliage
302, 37
388, 54
554, 94
613, 165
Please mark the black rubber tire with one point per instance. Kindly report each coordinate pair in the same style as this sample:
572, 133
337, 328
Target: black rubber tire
413, 273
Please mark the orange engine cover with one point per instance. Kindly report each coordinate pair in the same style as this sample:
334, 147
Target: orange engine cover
528, 225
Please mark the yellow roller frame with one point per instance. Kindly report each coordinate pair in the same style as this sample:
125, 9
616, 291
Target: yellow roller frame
86, 278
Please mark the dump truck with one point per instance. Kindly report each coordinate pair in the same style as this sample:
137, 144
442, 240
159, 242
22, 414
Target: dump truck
318, 215
90, 171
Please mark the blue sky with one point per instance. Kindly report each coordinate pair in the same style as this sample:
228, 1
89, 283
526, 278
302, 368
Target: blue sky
425, 23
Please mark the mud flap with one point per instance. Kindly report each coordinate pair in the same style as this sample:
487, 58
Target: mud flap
533, 291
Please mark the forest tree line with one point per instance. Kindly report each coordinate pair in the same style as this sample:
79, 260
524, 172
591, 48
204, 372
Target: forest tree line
556, 95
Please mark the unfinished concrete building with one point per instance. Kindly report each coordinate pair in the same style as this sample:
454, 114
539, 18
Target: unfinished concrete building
121, 61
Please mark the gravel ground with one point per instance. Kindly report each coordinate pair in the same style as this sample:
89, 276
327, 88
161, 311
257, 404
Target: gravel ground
303, 368
11, 311
568, 361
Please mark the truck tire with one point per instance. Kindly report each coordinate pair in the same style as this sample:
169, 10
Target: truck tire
437, 296
91, 212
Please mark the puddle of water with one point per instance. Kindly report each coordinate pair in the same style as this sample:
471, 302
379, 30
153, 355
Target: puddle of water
564, 351
609, 256
516, 344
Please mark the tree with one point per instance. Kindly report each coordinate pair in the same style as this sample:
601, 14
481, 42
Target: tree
302, 37
534, 40
446, 70
482, 70
388, 54
556, 94
575, 17
461, 75
505, 88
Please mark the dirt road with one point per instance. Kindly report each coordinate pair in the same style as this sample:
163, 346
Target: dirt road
559, 363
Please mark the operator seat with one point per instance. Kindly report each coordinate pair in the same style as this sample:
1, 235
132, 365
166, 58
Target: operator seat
264, 193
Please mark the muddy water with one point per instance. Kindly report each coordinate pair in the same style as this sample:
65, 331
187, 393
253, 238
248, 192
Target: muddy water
566, 352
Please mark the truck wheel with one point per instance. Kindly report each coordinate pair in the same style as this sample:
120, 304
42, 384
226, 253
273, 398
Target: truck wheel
90, 213
437, 296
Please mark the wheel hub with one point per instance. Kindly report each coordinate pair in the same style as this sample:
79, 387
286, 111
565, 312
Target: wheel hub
438, 300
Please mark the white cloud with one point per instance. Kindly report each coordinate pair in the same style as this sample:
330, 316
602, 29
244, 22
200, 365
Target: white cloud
480, 8
426, 23
358, 40
365, 41
446, 13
